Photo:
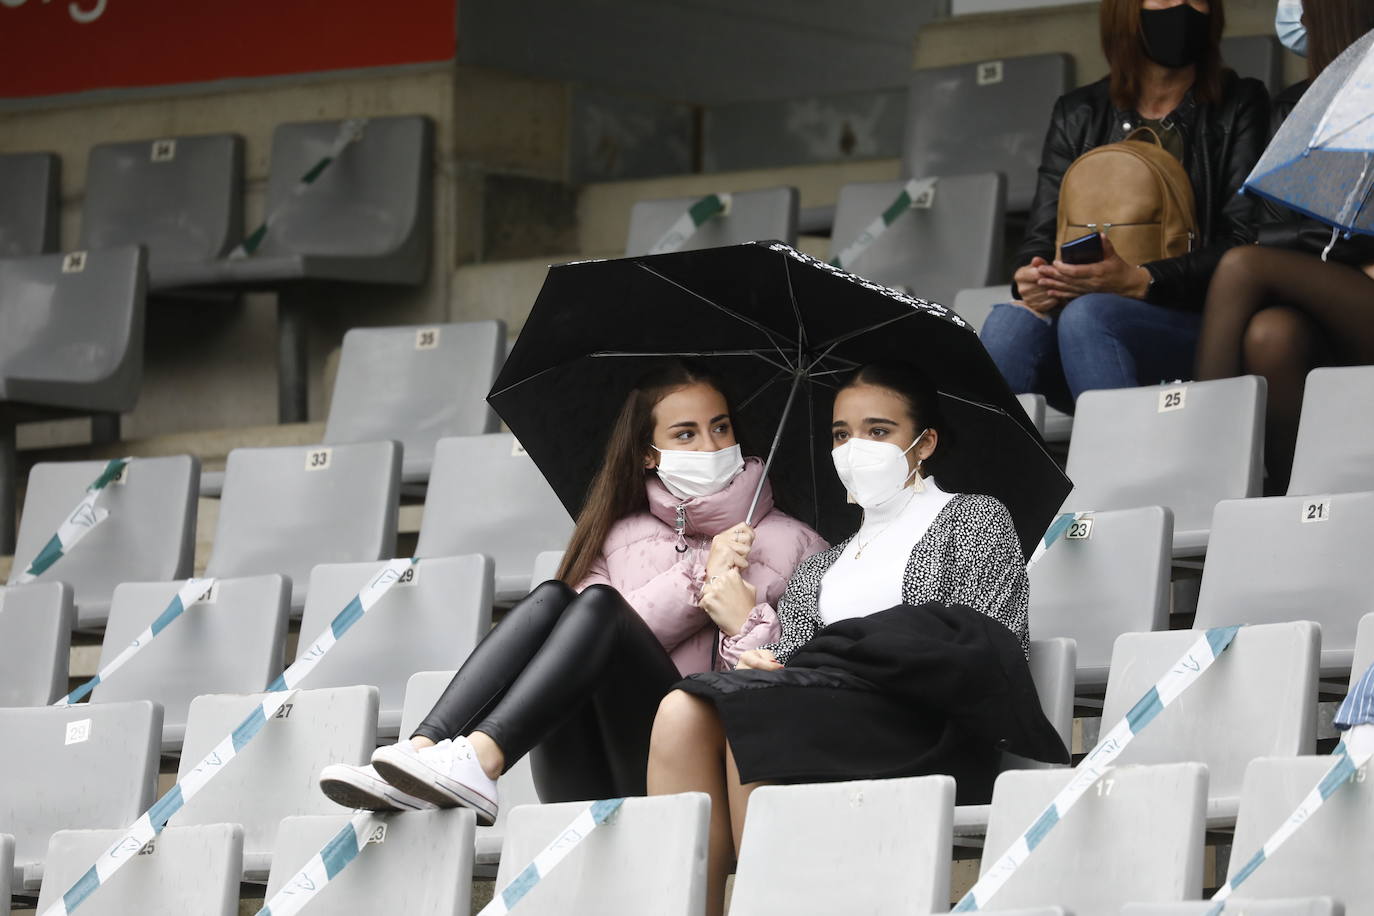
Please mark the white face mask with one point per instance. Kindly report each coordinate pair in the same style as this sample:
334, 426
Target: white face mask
873, 472
689, 475
1288, 26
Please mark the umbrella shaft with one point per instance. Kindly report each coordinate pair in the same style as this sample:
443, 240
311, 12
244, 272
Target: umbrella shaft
773, 449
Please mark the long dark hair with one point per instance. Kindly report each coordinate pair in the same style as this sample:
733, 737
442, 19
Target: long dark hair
618, 488
1119, 24
1332, 26
921, 397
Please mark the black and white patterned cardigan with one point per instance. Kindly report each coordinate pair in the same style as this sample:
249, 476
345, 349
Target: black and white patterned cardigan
970, 556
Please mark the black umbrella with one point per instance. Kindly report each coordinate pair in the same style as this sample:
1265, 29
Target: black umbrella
781, 328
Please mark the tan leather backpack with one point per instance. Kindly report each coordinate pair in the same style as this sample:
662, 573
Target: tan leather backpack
1135, 193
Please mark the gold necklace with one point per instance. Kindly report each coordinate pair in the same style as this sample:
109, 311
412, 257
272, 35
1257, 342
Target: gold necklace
864, 546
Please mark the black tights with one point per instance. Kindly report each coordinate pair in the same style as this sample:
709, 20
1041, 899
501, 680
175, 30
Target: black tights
1278, 314
576, 679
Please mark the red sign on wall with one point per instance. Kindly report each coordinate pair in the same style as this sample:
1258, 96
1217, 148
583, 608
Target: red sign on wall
49, 47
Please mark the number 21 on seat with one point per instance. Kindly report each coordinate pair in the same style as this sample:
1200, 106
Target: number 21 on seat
1314, 510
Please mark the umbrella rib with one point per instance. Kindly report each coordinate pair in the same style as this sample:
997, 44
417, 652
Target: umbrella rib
764, 355
763, 329
784, 373
796, 309
850, 335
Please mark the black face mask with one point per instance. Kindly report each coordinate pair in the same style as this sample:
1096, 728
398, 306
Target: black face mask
1176, 37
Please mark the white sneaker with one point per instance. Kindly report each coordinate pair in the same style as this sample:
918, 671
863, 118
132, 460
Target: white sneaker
361, 787
447, 775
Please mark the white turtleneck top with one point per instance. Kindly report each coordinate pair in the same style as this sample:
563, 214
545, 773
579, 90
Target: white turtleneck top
856, 586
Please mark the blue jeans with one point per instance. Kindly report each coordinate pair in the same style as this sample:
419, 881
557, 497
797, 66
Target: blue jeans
1100, 340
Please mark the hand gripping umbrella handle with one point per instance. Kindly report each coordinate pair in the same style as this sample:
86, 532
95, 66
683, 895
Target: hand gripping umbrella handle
773, 449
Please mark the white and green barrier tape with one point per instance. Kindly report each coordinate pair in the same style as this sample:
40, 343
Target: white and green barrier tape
350, 131
279, 692
1074, 525
696, 216
592, 817
916, 194
1181, 675
80, 522
323, 867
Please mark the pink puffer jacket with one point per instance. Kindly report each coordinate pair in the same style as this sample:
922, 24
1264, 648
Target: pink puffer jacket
641, 561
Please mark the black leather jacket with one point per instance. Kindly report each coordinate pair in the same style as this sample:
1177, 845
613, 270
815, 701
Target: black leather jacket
1280, 227
1222, 142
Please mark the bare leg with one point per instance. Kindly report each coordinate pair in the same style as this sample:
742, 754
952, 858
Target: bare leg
687, 754
739, 797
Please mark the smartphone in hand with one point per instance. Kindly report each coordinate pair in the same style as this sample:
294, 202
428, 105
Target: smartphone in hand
1085, 250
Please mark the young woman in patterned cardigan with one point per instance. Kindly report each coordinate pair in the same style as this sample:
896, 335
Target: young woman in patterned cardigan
881, 638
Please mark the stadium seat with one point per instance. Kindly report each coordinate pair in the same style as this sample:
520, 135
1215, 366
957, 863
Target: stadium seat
767, 214
1114, 581
49, 770
71, 344
889, 838
6, 866
416, 385
1292, 557
984, 117
1238, 903
1034, 406
421, 865
35, 643
1186, 445
486, 496
651, 849
29, 199
1256, 56
286, 510
546, 567
975, 304
1135, 836
1364, 648
184, 870
231, 644
180, 197
516, 785
1327, 856
277, 774
1335, 452
149, 535
934, 251
431, 619
1258, 699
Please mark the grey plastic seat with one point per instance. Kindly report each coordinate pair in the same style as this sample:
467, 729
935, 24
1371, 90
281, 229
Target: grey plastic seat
71, 344
651, 849
6, 865
1335, 452
1269, 562
486, 496
231, 644
1258, 699
277, 774
770, 213
1364, 648
1305, 906
1137, 838
431, 620
73, 767
975, 305
186, 870
1034, 406
35, 643
286, 510
421, 866
1186, 445
933, 251
149, 535
890, 838
1327, 856
516, 785
546, 567
984, 117
29, 203
181, 197
1257, 56
1112, 582
416, 385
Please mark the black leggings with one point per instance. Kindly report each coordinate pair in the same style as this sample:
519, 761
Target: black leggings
1280, 313
575, 679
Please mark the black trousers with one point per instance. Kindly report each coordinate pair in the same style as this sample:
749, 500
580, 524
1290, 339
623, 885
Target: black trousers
574, 680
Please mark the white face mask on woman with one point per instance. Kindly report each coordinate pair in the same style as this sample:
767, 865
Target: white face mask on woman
873, 472
689, 475
1288, 26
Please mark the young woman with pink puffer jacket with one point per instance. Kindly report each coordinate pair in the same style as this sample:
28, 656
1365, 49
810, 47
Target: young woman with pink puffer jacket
667, 580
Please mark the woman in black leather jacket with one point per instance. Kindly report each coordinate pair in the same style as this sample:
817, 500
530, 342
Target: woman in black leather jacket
1113, 324
1279, 309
